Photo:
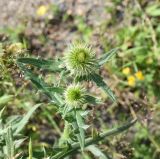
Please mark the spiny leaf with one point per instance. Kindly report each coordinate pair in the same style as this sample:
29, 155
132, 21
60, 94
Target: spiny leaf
80, 123
100, 83
92, 100
83, 113
96, 152
85, 127
39, 83
19, 142
50, 65
9, 143
55, 89
107, 56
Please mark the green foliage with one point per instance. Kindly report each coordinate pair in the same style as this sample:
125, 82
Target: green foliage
5, 99
72, 113
133, 26
10, 130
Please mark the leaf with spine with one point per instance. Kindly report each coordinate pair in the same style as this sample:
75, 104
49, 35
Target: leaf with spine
90, 141
9, 143
39, 83
80, 124
19, 126
107, 56
100, 83
83, 113
10, 121
92, 100
55, 89
49, 65
96, 152
85, 127
19, 142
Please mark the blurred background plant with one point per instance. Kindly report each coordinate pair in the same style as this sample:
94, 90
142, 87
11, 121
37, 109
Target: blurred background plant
45, 30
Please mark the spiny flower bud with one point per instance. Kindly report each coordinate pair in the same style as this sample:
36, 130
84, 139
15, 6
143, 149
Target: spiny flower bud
75, 95
80, 59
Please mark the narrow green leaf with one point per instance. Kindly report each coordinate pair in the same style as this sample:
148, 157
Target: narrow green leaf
55, 89
83, 113
100, 83
85, 127
9, 143
96, 152
39, 83
107, 56
19, 142
50, 65
1, 112
5, 99
92, 100
19, 126
80, 123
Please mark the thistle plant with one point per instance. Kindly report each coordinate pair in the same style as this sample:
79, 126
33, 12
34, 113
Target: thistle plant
78, 66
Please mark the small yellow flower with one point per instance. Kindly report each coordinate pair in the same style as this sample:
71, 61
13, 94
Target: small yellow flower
41, 11
139, 75
131, 81
126, 71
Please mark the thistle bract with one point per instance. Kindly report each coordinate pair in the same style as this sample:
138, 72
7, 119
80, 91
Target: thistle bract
80, 60
75, 95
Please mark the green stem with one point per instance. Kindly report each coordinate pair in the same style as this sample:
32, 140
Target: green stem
90, 141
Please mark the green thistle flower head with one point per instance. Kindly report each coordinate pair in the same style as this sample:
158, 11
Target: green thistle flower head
75, 95
80, 59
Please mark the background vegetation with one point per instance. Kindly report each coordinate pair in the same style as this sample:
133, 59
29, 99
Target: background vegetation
45, 30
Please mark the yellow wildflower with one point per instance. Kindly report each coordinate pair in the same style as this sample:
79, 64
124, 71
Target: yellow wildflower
41, 11
131, 81
126, 71
139, 75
